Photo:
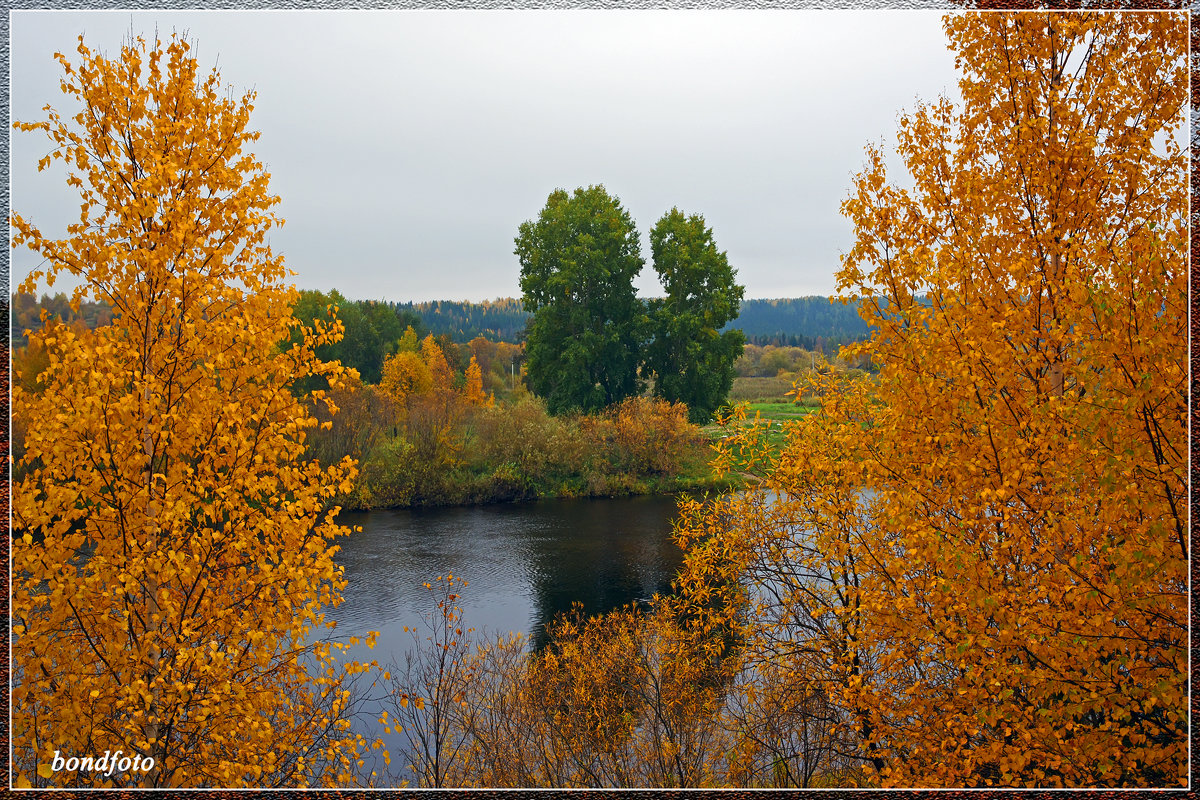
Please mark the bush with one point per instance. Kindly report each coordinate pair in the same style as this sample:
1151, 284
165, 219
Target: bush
390, 476
640, 436
525, 448
364, 417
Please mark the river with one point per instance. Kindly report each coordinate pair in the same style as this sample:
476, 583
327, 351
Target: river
523, 563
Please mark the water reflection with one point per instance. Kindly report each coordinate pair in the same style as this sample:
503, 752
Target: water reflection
525, 563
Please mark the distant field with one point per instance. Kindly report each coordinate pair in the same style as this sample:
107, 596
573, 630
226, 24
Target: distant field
760, 390
781, 411
775, 414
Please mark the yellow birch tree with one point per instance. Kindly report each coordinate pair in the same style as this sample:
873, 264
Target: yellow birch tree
405, 375
986, 549
172, 553
472, 393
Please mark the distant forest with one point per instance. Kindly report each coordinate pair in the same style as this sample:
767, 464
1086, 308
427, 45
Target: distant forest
27, 311
814, 323
500, 320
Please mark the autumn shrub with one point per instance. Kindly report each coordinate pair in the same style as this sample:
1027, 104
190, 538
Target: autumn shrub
527, 451
507, 740
429, 687
768, 361
612, 701
414, 445
441, 447
639, 436
364, 417
778, 606
787, 731
445, 450
392, 475
369, 427
628, 699
434, 427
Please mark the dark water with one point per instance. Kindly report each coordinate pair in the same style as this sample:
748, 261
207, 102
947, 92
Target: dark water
524, 563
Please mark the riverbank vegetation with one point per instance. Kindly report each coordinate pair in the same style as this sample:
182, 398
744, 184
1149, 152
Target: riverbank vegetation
449, 447
437, 431
432, 422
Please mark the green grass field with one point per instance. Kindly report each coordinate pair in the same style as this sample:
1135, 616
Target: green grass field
776, 414
781, 411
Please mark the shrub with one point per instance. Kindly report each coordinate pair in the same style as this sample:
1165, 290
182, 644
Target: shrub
640, 436
526, 447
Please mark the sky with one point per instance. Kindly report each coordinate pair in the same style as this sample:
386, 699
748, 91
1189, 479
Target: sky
408, 146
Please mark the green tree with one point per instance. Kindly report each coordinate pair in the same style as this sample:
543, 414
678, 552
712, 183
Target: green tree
578, 260
372, 331
691, 361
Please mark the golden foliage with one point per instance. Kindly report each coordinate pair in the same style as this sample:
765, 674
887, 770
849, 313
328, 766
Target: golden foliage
423, 387
405, 375
983, 556
172, 554
439, 368
473, 387
641, 433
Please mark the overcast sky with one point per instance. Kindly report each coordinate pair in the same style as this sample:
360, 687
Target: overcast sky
407, 146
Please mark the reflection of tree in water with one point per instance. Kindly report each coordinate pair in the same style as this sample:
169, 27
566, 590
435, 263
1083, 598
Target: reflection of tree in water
619, 552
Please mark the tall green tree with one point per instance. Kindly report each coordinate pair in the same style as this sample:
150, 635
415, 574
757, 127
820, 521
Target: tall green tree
578, 260
691, 361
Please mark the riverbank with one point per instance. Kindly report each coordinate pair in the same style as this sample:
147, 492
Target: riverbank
515, 452
506, 484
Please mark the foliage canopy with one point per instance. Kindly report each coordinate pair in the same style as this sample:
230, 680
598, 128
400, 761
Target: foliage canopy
578, 261
690, 359
172, 553
983, 555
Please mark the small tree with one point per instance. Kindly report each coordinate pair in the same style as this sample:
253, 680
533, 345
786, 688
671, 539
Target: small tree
430, 688
473, 394
578, 262
690, 359
172, 554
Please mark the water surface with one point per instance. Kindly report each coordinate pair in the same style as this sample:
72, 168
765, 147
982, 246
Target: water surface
523, 562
